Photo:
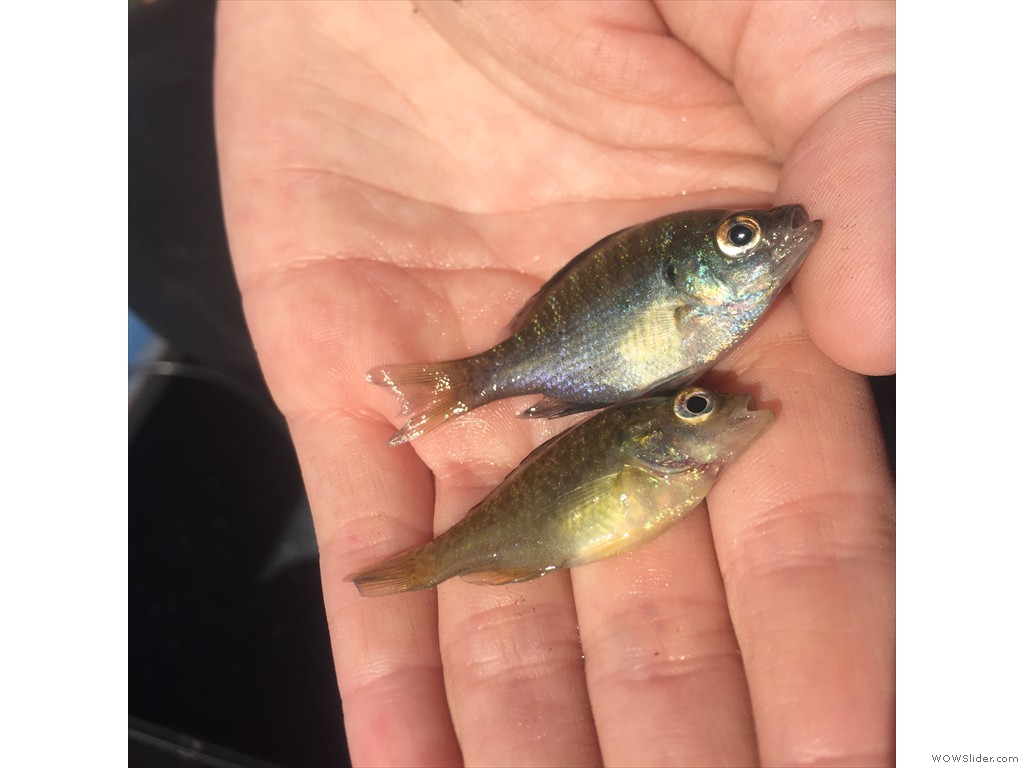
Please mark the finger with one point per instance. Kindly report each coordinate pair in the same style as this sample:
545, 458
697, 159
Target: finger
805, 540
790, 62
309, 313
386, 653
512, 657
609, 75
663, 667
847, 287
819, 81
513, 669
367, 500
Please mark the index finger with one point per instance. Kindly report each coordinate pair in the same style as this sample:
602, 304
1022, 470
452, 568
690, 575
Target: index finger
819, 81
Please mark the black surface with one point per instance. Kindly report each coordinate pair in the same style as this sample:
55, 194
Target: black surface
884, 390
228, 639
229, 657
180, 279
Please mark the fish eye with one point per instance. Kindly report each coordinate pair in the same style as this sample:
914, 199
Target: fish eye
738, 235
694, 404
697, 404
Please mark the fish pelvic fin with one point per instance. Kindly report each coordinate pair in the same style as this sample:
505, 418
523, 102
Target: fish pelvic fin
406, 572
552, 408
431, 394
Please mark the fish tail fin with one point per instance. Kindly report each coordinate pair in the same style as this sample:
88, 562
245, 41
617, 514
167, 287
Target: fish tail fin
431, 394
406, 572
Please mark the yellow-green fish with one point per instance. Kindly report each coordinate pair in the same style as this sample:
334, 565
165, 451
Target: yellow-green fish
647, 309
602, 487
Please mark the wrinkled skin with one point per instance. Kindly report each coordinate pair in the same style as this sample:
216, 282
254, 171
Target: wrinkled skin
397, 183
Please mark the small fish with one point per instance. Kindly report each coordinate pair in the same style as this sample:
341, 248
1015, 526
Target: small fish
647, 309
602, 487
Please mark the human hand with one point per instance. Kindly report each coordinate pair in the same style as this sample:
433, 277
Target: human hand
397, 181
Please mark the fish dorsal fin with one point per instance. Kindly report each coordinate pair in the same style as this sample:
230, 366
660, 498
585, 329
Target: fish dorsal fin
504, 576
672, 384
523, 316
533, 455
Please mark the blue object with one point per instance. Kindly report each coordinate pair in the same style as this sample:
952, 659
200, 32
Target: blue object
139, 336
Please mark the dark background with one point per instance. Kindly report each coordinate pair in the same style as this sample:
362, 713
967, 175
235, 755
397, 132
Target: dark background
230, 661
229, 656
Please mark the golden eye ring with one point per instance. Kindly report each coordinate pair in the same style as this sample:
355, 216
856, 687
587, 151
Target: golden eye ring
738, 236
694, 405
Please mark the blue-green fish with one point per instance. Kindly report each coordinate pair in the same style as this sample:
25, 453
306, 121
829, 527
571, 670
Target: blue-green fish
602, 487
646, 309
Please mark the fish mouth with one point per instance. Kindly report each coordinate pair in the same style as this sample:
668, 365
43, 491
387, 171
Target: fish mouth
800, 224
745, 409
795, 233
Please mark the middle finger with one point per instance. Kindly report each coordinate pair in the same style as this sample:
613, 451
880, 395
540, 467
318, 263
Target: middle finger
663, 665
511, 655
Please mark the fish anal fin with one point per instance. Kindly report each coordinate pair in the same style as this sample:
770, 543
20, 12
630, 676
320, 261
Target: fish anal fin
552, 408
427, 418
505, 575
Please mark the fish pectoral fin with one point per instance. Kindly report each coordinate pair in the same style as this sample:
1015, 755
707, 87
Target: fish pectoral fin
504, 576
612, 529
682, 314
691, 322
552, 408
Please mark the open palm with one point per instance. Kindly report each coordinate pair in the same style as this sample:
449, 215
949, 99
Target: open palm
397, 180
